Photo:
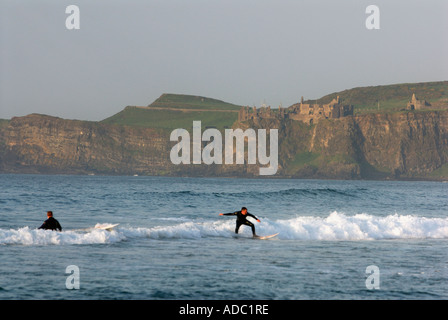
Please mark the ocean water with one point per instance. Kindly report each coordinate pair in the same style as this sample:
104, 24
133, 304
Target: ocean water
171, 242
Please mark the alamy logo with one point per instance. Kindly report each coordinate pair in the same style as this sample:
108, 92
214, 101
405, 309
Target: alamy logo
373, 279
72, 21
212, 152
373, 20
72, 281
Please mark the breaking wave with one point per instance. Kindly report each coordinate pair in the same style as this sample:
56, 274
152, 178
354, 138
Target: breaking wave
336, 226
28, 236
339, 226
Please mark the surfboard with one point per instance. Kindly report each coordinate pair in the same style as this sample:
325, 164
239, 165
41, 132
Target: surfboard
107, 227
267, 237
237, 236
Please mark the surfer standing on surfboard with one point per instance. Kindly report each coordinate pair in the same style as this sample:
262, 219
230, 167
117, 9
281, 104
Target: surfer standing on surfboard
241, 218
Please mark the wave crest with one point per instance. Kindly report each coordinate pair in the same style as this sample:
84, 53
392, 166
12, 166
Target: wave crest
27, 236
336, 226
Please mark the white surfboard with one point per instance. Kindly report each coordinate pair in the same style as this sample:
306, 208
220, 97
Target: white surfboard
106, 226
267, 237
237, 236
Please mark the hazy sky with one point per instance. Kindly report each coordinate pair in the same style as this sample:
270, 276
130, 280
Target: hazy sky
129, 52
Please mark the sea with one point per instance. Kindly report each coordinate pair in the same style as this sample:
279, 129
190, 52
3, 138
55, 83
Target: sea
338, 240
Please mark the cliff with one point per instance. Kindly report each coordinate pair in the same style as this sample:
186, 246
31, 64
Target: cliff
403, 145
408, 145
45, 144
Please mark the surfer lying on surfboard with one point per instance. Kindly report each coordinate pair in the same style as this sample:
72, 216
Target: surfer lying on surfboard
241, 218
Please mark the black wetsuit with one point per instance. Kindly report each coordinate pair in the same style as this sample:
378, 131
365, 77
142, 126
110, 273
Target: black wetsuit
242, 219
51, 224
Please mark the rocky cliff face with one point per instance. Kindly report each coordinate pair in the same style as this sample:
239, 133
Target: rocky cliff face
373, 146
38, 143
406, 145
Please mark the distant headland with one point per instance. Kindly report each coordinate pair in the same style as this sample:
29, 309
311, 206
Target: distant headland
380, 132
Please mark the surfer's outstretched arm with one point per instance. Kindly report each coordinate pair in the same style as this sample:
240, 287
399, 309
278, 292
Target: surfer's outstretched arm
228, 214
251, 215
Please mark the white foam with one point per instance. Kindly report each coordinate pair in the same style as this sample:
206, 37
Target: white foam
186, 230
336, 226
27, 236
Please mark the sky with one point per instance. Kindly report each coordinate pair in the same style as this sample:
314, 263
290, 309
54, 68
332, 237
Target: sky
129, 52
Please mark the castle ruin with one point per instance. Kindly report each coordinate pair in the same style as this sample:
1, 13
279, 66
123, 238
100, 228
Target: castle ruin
307, 113
416, 104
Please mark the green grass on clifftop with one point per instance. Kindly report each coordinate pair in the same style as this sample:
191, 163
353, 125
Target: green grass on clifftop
389, 98
172, 111
183, 101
